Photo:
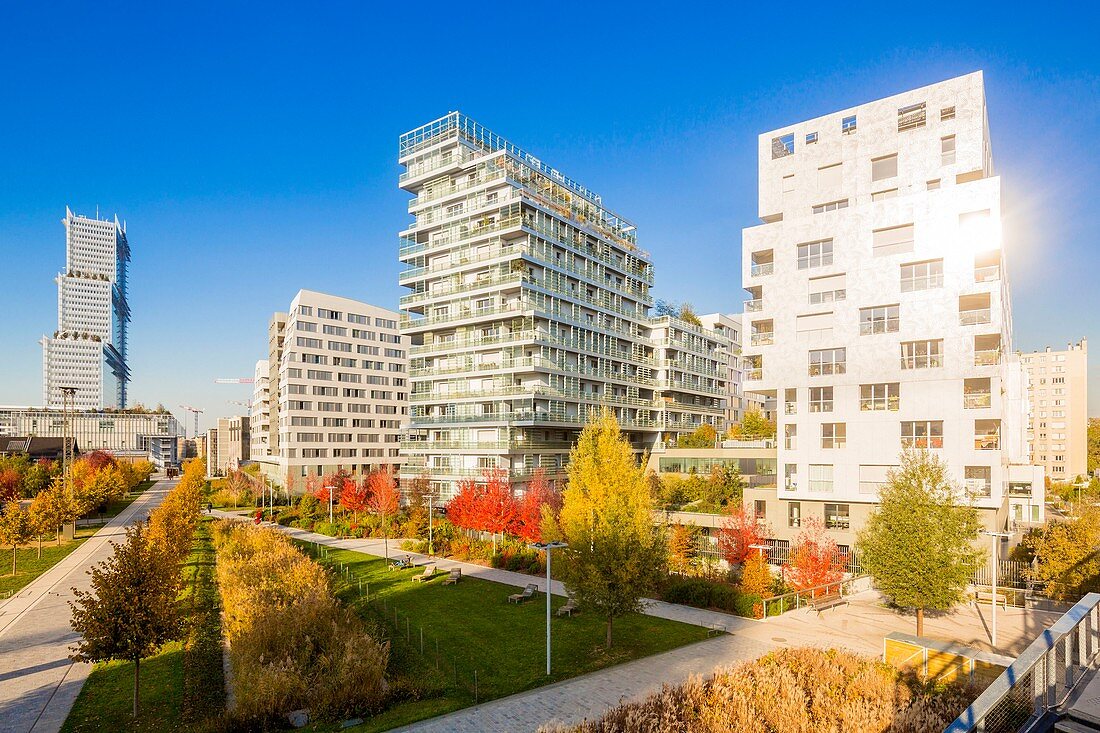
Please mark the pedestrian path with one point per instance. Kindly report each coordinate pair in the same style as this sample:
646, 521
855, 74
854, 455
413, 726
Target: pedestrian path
38, 682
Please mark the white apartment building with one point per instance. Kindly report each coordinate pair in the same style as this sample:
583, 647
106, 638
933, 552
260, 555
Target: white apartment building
126, 434
343, 388
259, 411
1058, 397
227, 445
88, 349
528, 313
879, 314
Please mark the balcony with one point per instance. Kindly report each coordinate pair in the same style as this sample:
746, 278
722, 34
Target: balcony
987, 357
764, 268
763, 338
987, 441
974, 317
987, 274
754, 374
754, 306
977, 400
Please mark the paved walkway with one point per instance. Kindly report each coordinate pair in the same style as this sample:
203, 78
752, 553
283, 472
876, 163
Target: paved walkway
38, 683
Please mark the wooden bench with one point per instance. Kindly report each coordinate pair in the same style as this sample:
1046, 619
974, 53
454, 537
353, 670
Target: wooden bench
527, 593
824, 603
715, 630
985, 596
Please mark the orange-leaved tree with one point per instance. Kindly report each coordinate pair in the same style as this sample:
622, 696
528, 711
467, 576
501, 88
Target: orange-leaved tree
354, 496
814, 561
540, 497
741, 529
497, 509
384, 500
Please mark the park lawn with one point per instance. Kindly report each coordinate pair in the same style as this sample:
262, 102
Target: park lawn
477, 630
181, 688
29, 564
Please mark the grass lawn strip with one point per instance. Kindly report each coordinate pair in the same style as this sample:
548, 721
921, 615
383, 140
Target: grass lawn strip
477, 630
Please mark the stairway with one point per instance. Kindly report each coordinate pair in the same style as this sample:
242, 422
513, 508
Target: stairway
1082, 711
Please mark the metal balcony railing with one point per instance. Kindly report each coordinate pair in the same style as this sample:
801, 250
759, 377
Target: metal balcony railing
987, 357
762, 339
977, 400
987, 274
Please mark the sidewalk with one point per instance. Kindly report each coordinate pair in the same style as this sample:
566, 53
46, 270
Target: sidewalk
38, 683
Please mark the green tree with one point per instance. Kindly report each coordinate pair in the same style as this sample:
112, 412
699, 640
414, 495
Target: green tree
753, 426
45, 515
1067, 563
704, 437
1094, 444
131, 611
919, 543
16, 528
616, 554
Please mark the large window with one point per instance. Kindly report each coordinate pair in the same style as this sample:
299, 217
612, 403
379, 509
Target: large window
979, 480
836, 516
922, 354
815, 254
827, 289
892, 240
821, 399
821, 478
794, 514
883, 396
833, 435
848, 125
827, 361
922, 434
921, 276
790, 436
947, 150
987, 435
911, 117
878, 319
885, 167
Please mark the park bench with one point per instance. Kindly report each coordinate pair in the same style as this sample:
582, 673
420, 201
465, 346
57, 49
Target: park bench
715, 629
527, 594
831, 600
569, 608
401, 563
454, 577
985, 596
429, 571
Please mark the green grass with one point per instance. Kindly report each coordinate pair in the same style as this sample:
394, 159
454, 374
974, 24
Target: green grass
29, 564
478, 630
182, 687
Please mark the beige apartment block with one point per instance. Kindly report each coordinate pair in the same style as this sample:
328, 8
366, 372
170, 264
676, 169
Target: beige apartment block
228, 444
1058, 422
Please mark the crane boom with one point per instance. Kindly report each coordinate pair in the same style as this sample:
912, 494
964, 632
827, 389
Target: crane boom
242, 380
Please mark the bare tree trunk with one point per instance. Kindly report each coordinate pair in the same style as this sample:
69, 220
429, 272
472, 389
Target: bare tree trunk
14, 549
137, 675
920, 622
609, 620
39, 547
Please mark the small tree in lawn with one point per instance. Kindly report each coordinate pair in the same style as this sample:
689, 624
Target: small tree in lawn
354, 497
16, 528
498, 507
814, 561
384, 500
919, 543
131, 610
616, 554
739, 532
44, 515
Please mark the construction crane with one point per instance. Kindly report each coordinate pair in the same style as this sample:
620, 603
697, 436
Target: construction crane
242, 380
245, 405
196, 411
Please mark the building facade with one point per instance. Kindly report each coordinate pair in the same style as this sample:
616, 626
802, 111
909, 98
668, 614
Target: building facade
228, 444
126, 434
1058, 398
259, 411
879, 314
88, 351
528, 312
341, 400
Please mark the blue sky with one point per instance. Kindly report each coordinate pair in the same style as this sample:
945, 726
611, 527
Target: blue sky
252, 149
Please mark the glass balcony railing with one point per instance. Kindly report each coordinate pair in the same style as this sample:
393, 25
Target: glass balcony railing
987, 274
987, 357
989, 441
755, 305
977, 400
974, 317
754, 374
764, 268
762, 339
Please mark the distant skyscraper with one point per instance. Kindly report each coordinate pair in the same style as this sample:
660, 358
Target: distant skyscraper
88, 349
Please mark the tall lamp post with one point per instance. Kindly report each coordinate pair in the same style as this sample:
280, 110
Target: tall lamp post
996, 537
547, 547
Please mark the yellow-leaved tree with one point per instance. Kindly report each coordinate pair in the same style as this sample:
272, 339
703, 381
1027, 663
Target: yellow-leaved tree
616, 554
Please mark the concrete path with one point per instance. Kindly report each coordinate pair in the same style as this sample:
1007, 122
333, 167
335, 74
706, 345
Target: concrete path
38, 683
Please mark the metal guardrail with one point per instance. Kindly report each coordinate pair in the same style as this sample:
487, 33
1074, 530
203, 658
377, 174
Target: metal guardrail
1041, 678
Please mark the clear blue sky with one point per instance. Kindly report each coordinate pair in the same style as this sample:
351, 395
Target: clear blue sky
253, 149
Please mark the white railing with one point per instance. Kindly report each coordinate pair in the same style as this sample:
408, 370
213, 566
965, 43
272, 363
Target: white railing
764, 268
754, 305
974, 317
1041, 678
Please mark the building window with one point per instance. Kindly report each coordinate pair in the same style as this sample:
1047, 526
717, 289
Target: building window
987, 435
922, 354
848, 125
790, 401
892, 240
884, 167
794, 514
921, 276
811, 138
947, 150
790, 476
947, 113
933, 184
783, 146
788, 183
827, 361
883, 195
911, 117
821, 399
831, 206
836, 516
877, 397
790, 436
815, 254
878, 319
760, 509
922, 434
979, 480
821, 478
833, 435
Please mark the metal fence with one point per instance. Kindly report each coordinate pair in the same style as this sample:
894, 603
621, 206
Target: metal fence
1041, 678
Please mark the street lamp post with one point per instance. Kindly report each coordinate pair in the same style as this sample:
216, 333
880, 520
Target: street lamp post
547, 547
996, 537
431, 547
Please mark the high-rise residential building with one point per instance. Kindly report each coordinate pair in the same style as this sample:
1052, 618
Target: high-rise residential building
1058, 397
276, 334
529, 312
228, 445
879, 315
88, 350
259, 411
342, 388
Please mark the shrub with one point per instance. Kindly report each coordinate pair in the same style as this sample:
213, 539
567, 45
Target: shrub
703, 593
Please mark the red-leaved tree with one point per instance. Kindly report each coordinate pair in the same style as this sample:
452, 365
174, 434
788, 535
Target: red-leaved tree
540, 493
98, 459
739, 532
814, 561
354, 497
463, 507
384, 500
10, 483
497, 509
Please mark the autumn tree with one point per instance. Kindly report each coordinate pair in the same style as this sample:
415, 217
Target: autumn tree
814, 561
354, 497
919, 542
705, 436
539, 499
1066, 558
740, 530
45, 515
16, 528
756, 576
616, 554
462, 509
131, 610
753, 426
681, 548
497, 509
384, 500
